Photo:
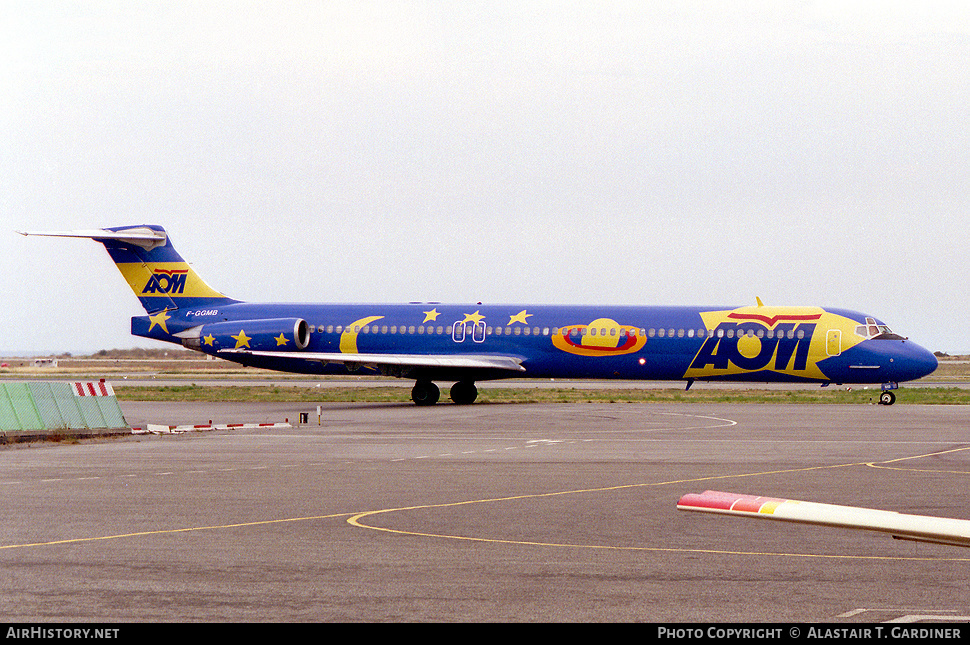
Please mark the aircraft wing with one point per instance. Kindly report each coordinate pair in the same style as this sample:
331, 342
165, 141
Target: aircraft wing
919, 528
464, 361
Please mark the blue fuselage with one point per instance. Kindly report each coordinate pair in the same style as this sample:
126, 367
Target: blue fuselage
763, 344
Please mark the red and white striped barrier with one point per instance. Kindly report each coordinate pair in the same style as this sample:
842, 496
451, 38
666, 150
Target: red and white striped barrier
101, 388
152, 428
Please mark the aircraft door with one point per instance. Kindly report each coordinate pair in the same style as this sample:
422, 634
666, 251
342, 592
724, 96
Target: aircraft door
833, 342
462, 329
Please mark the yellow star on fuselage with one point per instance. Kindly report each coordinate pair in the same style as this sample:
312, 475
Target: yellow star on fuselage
242, 340
281, 341
520, 317
475, 317
159, 319
431, 315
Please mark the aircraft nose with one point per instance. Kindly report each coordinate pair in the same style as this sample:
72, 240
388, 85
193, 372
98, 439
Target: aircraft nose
914, 362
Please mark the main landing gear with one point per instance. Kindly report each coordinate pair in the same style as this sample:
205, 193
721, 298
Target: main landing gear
427, 393
464, 392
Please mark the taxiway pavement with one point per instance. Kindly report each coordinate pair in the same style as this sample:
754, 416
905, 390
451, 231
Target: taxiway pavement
487, 512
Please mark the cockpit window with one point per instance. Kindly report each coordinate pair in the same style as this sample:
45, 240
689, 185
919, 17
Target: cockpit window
872, 331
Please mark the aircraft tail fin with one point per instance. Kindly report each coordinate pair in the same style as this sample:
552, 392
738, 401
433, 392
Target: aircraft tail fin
154, 270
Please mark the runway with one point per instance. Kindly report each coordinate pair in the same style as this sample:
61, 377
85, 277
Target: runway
484, 513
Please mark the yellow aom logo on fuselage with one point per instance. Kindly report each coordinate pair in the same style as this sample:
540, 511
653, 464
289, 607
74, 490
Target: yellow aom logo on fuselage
786, 340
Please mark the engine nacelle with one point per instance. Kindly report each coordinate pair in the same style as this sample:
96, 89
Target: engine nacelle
275, 334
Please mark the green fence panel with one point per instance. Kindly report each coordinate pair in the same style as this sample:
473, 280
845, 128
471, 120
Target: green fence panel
111, 412
54, 405
91, 411
8, 416
57, 406
20, 413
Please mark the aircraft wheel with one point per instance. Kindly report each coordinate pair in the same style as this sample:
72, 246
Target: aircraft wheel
425, 393
887, 398
464, 392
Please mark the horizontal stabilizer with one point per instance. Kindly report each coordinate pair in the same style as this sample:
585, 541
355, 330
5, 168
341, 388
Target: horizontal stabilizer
145, 238
920, 528
399, 360
159, 277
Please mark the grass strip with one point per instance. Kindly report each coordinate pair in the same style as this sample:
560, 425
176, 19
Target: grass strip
391, 394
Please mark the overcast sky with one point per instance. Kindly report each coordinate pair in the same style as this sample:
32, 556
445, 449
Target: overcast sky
668, 152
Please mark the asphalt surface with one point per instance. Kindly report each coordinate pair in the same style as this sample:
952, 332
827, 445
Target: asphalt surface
483, 513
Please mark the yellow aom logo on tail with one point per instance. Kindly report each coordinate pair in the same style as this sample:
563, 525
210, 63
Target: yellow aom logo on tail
166, 279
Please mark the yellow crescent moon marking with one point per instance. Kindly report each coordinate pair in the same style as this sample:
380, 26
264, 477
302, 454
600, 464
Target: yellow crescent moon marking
348, 339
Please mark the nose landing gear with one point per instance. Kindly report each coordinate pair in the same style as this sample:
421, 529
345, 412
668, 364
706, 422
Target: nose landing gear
888, 397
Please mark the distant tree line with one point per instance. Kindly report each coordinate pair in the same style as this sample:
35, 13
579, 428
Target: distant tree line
143, 353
